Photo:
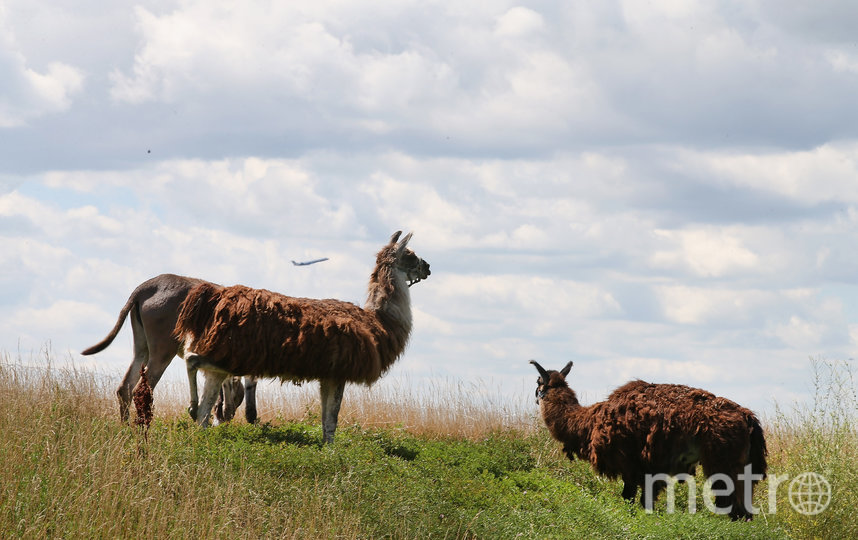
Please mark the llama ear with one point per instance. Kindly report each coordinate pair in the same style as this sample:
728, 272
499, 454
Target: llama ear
395, 237
565, 370
400, 247
541, 370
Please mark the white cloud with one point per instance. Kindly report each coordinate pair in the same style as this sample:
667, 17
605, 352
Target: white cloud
822, 174
843, 61
519, 21
28, 93
408, 202
542, 305
698, 305
658, 370
62, 316
456, 78
801, 334
706, 252
853, 335
204, 48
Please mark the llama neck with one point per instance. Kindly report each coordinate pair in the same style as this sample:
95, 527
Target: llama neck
389, 298
566, 419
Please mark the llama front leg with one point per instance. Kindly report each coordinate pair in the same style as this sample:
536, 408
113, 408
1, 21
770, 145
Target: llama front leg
630, 487
332, 398
211, 387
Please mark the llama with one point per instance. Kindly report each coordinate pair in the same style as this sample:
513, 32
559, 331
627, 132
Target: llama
647, 429
154, 307
242, 331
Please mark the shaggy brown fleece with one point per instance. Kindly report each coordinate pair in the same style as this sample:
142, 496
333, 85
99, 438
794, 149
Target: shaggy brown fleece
262, 333
647, 422
644, 428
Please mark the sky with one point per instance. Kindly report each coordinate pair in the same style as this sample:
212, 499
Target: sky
662, 190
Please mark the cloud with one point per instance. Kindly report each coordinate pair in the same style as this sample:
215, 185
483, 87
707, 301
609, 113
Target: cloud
459, 77
205, 80
62, 315
706, 252
809, 177
28, 93
692, 372
208, 48
519, 21
831, 25
657, 188
800, 334
526, 305
690, 305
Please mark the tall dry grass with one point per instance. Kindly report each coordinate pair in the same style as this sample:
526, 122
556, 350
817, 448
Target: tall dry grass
444, 408
820, 437
69, 469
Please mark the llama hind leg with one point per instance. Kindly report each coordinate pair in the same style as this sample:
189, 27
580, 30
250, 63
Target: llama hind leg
229, 398
743, 508
332, 398
731, 484
250, 400
652, 488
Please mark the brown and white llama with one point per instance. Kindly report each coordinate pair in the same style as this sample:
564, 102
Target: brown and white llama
643, 430
242, 331
153, 308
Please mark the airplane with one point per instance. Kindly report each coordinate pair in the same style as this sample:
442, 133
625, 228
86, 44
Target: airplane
307, 263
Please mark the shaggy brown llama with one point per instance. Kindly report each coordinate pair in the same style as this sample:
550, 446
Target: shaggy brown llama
657, 429
242, 331
153, 307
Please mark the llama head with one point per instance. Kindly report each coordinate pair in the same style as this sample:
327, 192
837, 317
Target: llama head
549, 379
405, 260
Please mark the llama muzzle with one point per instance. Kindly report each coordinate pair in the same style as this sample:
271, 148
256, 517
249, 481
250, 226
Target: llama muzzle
423, 272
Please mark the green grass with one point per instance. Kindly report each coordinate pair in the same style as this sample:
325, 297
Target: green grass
69, 469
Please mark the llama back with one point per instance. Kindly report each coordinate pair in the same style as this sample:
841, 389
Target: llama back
646, 421
650, 421
262, 333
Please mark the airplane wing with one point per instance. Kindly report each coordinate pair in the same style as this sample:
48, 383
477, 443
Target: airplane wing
307, 263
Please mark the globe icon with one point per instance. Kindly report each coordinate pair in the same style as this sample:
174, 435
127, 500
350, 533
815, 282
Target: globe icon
809, 493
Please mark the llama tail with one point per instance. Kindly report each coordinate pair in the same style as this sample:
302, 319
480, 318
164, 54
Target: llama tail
758, 450
123, 313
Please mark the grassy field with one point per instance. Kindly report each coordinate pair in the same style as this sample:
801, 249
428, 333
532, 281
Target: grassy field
402, 467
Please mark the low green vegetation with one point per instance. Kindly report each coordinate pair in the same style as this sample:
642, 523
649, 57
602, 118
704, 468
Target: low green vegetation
69, 469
